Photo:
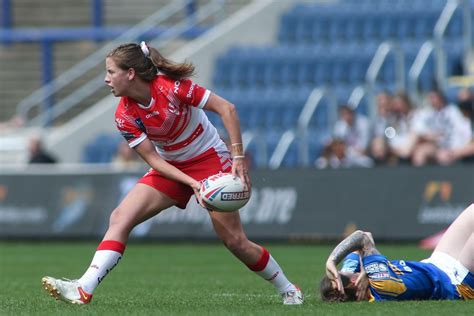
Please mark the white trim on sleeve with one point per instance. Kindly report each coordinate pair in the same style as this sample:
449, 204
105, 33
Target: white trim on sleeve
204, 99
138, 140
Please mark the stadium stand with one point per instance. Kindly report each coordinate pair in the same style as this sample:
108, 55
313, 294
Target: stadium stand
330, 45
45, 45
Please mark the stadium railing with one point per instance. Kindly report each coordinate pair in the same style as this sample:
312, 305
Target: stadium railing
375, 68
147, 29
447, 25
300, 134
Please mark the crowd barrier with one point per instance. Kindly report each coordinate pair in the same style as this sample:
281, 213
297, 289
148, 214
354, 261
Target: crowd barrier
402, 203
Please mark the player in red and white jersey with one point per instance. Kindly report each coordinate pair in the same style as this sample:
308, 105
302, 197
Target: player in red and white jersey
161, 116
173, 120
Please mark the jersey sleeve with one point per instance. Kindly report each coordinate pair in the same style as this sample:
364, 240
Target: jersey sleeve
384, 283
131, 128
351, 263
191, 93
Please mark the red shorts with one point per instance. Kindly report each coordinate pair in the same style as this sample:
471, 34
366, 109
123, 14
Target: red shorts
198, 168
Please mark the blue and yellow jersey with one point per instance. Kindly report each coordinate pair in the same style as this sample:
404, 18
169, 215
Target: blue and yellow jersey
408, 280
351, 263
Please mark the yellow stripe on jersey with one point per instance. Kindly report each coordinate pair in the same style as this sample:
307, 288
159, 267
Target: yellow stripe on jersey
465, 291
392, 287
371, 297
395, 269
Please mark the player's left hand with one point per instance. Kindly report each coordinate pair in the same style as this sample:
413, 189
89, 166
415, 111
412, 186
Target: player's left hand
239, 169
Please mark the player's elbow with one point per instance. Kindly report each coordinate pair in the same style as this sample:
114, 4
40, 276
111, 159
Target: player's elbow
364, 233
230, 109
228, 113
364, 239
368, 240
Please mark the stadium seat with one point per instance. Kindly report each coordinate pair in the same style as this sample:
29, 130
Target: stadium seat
101, 149
329, 45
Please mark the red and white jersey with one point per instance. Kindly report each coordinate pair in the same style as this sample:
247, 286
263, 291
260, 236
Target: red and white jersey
174, 120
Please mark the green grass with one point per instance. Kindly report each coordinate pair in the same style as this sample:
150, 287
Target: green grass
186, 279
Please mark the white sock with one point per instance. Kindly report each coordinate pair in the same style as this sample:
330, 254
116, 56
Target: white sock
268, 268
106, 257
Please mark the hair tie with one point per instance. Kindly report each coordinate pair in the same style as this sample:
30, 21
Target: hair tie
145, 49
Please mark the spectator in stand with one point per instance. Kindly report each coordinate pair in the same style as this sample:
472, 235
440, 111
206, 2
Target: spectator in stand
349, 143
37, 153
463, 153
337, 155
438, 128
378, 145
401, 138
353, 129
126, 158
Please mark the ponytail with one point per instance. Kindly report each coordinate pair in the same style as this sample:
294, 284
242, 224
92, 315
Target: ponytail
169, 68
147, 62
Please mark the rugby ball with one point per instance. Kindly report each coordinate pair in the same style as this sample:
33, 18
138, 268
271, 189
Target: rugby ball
223, 193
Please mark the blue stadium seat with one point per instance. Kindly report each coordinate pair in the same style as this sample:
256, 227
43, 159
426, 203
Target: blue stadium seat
272, 138
405, 25
424, 27
455, 26
330, 44
102, 148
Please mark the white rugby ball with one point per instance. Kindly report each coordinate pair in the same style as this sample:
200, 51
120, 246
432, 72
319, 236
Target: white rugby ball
223, 193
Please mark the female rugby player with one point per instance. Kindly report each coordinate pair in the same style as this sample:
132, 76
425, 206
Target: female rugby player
161, 116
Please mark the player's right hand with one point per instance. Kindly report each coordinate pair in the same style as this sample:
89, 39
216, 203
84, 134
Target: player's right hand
196, 186
333, 275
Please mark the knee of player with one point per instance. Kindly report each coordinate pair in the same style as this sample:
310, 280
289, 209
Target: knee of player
117, 217
235, 243
470, 208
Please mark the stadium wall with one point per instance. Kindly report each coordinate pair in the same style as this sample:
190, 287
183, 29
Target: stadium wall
402, 203
255, 23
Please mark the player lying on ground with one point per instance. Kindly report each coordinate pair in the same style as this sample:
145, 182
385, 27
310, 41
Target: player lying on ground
368, 275
161, 116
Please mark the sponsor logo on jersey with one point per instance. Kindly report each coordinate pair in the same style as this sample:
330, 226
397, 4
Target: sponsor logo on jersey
120, 122
190, 92
235, 196
380, 276
154, 113
177, 83
173, 108
376, 267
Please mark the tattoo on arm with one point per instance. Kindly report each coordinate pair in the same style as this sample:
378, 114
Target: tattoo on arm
348, 245
358, 240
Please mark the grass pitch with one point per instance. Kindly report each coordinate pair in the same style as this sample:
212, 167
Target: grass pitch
186, 279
